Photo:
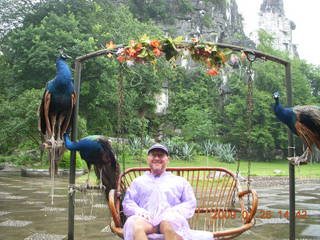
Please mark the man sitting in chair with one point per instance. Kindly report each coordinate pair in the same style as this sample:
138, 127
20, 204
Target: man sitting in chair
158, 202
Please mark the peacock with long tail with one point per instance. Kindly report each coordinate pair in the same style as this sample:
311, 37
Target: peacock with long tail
56, 111
97, 151
304, 121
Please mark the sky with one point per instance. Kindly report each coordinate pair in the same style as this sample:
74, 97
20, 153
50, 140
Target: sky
306, 16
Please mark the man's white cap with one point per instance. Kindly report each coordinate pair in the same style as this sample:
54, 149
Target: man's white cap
160, 147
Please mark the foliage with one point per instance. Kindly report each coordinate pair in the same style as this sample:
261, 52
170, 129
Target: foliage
256, 169
179, 149
225, 152
186, 152
25, 159
147, 50
207, 147
135, 145
12, 14
19, 120
197, 125
65, 161
117, 99
29, 51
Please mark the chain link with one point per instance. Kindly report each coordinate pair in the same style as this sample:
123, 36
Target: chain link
249, 72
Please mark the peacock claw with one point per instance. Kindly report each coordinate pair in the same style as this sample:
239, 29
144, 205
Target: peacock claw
59, 143
297, 161
46, 145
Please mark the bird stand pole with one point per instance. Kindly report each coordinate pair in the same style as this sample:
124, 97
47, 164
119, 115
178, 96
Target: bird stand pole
72, 172
292, 194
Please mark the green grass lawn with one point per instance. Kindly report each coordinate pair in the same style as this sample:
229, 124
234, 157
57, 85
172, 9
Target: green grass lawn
311, 170
257, 168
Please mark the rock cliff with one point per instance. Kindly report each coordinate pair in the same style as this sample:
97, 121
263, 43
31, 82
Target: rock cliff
212, 20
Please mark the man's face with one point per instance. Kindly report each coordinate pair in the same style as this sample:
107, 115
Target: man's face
157, 161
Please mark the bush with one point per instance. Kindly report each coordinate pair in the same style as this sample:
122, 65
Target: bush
135, 145
225, 152
27, 158
187, 152
178, 148
65, 161
208, 147
147, 141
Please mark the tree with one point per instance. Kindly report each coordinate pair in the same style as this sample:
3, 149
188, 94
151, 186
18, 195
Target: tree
19, 120
81, 27
12, 14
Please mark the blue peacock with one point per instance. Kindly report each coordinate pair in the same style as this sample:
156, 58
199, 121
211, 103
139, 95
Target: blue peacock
56, 110
96, 150
58, 101
304, 121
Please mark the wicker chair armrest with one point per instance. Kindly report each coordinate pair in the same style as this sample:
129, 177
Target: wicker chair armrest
112, 206
253, 209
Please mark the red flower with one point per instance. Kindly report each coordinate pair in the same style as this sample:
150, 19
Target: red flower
213, 71
131, 52
155, 43
138, 47
156, 52
121, 58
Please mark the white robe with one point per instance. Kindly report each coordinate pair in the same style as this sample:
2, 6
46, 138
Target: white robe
164, 198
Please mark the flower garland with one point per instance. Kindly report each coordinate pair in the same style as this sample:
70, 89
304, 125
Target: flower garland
147, 50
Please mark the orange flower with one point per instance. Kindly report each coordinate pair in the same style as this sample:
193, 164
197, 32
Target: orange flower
131, 52
121, 58
156, 52
209, 64
138, 47
110, 45
194, 40
213, 71
131, 43
223, 58
155, 43
243, 56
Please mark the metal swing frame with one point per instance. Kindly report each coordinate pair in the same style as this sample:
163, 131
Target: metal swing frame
78, 65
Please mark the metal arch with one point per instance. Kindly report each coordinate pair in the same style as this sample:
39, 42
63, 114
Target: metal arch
257, 54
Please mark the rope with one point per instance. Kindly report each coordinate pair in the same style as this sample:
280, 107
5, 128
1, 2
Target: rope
120, 92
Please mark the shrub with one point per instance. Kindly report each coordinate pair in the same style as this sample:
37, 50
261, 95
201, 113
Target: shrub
135, 146
178, 148
26, 158
208, 147
186, 152
225, 152
147, 141
65, 161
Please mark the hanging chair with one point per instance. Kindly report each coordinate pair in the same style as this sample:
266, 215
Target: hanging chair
220, 201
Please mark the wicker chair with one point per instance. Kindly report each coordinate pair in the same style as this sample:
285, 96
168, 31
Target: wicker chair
220, 201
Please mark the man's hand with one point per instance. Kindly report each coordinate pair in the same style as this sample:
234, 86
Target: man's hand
145, 215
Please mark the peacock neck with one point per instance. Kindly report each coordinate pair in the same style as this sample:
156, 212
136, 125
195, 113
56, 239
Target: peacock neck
63, 71
285, 115
71, 145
